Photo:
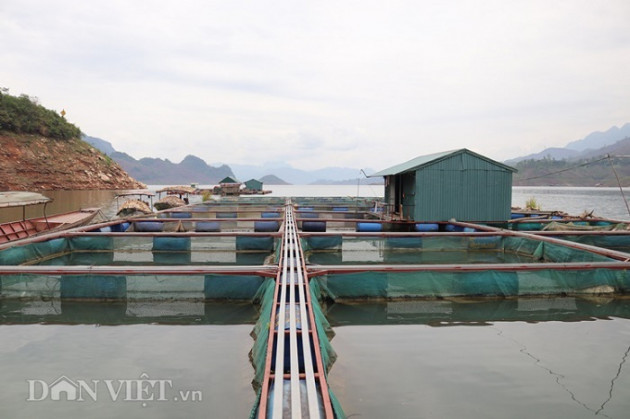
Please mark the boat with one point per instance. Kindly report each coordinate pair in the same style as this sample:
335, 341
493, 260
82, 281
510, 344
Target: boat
136, 205
169, 201
20, 229
183, 192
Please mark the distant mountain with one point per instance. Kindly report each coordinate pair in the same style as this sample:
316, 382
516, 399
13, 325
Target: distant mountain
105, 146
164, 172
272, 180
600, 139
576, 149
589, 168
553, 153
155, 171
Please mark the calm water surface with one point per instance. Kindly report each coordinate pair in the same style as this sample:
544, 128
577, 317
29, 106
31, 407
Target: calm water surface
604, 202
472, 365
209, 359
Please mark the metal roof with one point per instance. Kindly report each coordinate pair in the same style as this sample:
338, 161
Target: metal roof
21, 198
229, 180
429, 159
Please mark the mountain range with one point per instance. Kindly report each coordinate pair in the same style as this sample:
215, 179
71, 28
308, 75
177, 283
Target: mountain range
572, 165
579, 149
599, 159
155, 171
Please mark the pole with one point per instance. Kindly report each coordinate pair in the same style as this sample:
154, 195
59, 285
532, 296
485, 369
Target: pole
625, 201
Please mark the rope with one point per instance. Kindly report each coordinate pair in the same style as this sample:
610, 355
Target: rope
567, 169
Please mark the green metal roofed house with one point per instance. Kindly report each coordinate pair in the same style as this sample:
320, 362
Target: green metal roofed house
254, 185
456, 184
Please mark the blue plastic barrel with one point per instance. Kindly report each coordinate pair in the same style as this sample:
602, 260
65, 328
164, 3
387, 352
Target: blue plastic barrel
453, 228
208, 226
318, 226
427, 227
180, 215
266, 226
270, 215
148, 226
369, 227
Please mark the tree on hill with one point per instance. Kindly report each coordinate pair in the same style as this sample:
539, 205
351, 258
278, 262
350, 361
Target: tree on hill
23, 115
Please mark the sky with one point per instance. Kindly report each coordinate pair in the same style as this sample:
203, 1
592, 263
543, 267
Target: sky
314, 84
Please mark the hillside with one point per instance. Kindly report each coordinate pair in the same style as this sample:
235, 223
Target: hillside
593, 169
40, 150
273, 180
579, 149
33, 162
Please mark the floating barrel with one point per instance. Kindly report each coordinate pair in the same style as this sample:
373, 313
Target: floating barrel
340, 209
453, 228
148, 226
226, 215
266, 226
424, 227
208, 226
515, 216
270, 215
180, 215
318, 226
119, 228
369, 227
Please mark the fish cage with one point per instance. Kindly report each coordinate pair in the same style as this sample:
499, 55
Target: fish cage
285, 265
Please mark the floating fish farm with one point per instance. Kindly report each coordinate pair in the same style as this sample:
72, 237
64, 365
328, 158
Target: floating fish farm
291, 256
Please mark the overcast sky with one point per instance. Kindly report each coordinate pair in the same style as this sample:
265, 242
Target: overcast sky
364, 84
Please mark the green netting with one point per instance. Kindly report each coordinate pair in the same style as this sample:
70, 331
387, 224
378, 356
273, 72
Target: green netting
613, 242
317, 243
433, 284
91, 243
93, 287
232, 287
254, 243
442, 250
32, 252
324, 334
170, 244
260, 333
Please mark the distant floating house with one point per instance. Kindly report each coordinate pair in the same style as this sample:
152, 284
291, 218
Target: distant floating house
228, 186
254, 185
456, 184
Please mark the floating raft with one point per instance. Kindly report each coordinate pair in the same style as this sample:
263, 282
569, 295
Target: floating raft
287, 256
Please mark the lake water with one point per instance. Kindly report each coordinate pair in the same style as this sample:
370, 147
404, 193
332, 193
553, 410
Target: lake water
604, 202
525, 358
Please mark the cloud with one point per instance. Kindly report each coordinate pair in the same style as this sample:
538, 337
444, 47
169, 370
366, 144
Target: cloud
363, 84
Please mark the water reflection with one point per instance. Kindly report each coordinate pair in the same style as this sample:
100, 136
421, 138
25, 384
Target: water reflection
479, 312
126, 312
532, 357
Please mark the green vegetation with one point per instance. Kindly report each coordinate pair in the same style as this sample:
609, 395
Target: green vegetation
22, 115
532, 204
595, 171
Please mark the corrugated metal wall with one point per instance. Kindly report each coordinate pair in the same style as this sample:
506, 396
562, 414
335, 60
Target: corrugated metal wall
463, 187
